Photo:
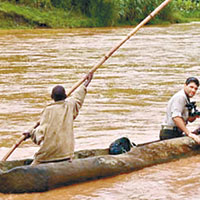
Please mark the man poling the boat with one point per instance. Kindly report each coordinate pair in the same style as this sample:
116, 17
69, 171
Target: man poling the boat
55, 130
178, 113
100, 63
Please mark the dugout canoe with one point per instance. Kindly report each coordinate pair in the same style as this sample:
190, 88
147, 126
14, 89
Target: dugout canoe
19, 177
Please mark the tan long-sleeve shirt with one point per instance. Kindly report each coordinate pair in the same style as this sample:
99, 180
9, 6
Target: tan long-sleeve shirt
55, 132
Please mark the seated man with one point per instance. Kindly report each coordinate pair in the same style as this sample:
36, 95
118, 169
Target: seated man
177, 115
55, 130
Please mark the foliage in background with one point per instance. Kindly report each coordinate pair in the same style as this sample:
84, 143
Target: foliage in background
93, 13
15, 16
113, 12
188, 9
32, 3
187, 5
103, 12
136, 10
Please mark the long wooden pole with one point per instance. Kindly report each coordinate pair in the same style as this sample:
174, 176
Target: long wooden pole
109, 54
21, 139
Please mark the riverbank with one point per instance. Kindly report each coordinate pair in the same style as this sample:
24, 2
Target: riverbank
19, 16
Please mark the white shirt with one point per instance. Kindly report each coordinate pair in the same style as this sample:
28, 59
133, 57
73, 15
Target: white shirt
177, 108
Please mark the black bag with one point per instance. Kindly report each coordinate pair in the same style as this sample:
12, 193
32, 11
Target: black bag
121, 145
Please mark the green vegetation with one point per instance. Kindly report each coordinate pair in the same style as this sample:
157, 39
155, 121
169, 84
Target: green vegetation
92, 13
24, 16
188, 9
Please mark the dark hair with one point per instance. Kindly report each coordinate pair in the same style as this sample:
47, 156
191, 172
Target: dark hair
192, 79
58, 93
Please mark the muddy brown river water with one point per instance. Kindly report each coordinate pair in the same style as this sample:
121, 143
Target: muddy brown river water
127, 97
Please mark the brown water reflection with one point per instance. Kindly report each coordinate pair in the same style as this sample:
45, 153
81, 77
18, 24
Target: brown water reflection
127, 97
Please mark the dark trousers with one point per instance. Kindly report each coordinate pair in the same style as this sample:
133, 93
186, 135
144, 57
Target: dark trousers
169, 134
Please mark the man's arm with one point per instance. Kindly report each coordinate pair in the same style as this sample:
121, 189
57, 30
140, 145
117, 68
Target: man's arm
28, 133
78, 96
37, 132
181, 125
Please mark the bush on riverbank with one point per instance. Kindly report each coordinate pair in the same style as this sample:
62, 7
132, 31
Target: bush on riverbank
189, 9
92, 13
15, 16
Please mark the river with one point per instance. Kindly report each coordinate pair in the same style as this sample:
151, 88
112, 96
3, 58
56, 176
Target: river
127, 97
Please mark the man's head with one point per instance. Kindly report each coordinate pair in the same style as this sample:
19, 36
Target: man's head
58, 93
191, 86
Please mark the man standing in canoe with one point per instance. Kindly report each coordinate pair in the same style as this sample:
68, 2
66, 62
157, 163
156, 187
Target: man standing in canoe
55, 130
177, 115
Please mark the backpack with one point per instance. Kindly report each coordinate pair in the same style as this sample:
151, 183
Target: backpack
121, 145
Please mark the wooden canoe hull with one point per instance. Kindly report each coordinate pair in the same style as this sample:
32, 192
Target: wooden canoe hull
47, 176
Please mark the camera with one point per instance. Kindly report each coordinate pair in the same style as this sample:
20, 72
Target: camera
192, 108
